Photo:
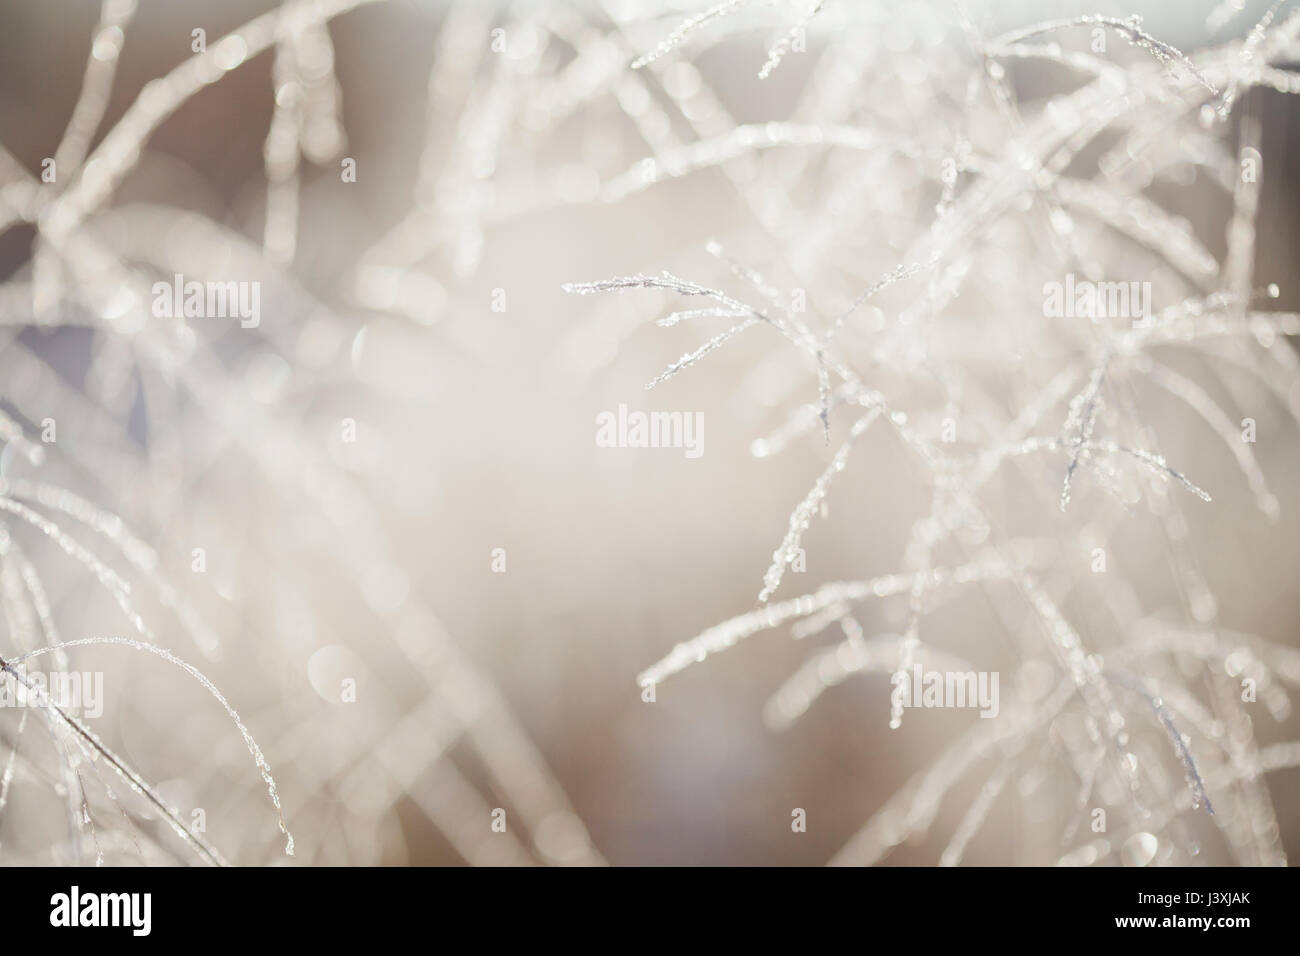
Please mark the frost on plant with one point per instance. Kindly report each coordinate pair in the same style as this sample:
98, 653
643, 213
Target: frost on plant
299, 314
990, 393
178, 492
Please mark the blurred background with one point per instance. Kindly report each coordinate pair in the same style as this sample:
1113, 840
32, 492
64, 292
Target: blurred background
421, 392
